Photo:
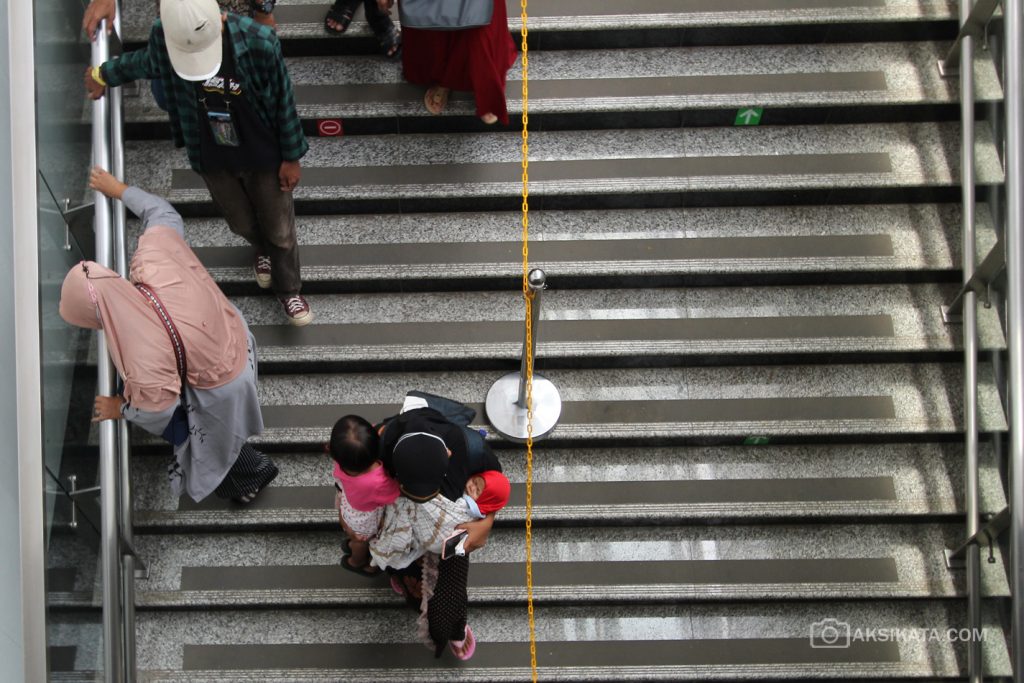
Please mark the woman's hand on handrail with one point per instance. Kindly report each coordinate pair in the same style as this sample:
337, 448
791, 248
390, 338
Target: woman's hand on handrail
103, 182
107, 408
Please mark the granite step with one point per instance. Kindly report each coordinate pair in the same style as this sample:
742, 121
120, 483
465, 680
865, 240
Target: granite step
836, 401
613, 248
652, 87
599, 564
572, 23
616, 168
648, 642
628, 327
588, 486
614, 328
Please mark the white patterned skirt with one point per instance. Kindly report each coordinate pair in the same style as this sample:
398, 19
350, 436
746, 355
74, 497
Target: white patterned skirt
363, 523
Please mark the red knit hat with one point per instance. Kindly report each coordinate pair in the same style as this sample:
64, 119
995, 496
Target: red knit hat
496, 492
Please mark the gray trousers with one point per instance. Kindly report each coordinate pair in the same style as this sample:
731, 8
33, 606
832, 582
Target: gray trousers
258, 211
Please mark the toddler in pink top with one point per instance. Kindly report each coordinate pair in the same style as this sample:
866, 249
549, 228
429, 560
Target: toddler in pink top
364, 488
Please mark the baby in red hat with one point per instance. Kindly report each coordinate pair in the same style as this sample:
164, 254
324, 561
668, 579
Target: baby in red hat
486, 492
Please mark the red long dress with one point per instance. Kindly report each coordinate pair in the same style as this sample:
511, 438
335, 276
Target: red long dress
476, 59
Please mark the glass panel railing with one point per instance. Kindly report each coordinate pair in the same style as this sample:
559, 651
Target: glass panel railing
74, 624
74, 612
64, 347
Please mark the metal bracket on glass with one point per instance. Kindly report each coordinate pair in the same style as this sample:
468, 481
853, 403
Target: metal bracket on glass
985, 536
974, 27
979, 283
73, 493
77, 224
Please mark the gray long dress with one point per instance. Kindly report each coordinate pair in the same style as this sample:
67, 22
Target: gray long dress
220, 419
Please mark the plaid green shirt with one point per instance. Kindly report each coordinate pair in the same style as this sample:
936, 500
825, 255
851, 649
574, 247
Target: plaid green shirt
259, 64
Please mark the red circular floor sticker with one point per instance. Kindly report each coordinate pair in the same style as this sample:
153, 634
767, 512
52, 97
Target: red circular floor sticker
329, 128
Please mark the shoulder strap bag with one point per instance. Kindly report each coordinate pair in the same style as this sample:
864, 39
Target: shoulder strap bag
177, 429
445, 15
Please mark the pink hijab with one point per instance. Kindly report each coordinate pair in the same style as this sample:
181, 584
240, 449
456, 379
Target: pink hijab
216, 344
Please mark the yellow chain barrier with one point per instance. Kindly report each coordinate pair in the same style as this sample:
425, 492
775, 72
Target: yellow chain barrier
528, 346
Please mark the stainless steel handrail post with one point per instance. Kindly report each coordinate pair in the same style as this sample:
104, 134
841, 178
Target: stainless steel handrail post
536, 281
125, 508
970, 341
1015, 317
110, 538
508, 410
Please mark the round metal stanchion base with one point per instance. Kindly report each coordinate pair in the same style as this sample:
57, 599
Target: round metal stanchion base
509, 420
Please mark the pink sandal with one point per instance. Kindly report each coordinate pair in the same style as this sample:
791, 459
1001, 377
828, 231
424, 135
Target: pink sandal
464, 649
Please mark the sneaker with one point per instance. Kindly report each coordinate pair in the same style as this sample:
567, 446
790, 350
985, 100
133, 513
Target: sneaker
262, 270
297, 309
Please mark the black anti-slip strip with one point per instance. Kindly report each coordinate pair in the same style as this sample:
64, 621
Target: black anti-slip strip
598, 574
582, 251
578, 331
709, 491
602, 88
499, 655
314, 14
610, 493
775, 409
581, 170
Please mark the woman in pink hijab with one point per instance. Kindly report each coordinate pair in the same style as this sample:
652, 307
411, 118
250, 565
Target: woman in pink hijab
171, 319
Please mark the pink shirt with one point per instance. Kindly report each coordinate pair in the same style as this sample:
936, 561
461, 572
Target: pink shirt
367, 491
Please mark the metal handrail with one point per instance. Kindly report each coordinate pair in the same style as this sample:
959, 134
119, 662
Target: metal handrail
970, 336
117, 556
974, 18
1014, 166
125, 508
110, 552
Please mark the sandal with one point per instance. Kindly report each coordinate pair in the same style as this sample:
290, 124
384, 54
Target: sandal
390, 41
362, 571
341, 13
464, 649
436, 99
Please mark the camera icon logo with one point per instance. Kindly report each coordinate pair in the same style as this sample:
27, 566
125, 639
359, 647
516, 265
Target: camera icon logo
830, 633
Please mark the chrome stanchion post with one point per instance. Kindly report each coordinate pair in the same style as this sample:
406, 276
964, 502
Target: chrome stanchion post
507, 399
110, 537
536, 281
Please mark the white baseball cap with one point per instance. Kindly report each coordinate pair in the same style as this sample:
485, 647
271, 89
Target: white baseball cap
192, 30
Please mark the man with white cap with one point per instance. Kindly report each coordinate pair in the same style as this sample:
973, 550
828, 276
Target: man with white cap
231, 106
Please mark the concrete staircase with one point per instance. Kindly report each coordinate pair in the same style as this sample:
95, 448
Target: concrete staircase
713, 287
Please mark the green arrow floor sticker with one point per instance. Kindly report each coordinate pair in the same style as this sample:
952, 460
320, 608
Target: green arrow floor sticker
750, 116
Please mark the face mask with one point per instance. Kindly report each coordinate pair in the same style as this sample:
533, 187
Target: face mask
474, 509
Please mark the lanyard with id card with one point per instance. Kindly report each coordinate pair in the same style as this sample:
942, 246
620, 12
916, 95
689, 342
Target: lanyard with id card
222, 125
